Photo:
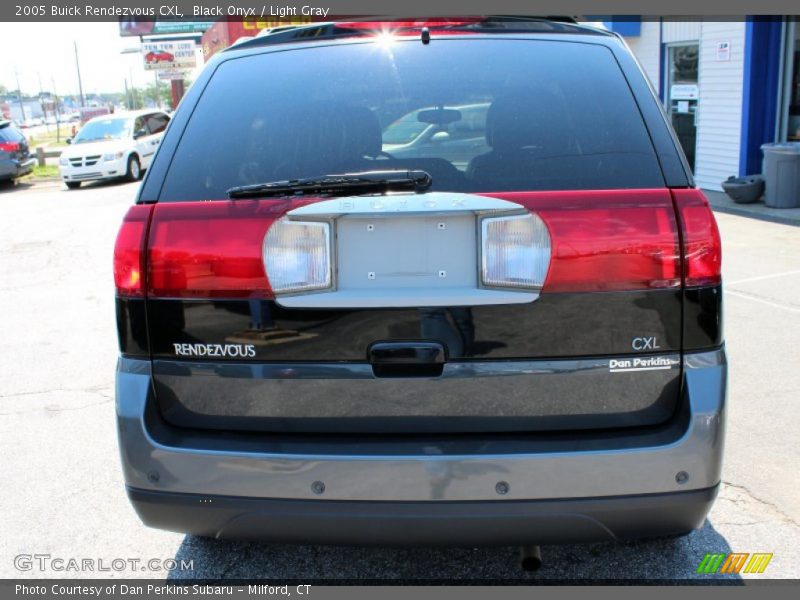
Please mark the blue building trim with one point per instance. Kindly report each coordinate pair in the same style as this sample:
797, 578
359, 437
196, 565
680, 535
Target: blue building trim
624, 25
762, 49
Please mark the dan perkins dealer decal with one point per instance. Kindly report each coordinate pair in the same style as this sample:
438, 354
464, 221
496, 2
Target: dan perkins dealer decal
645, 363
216, 350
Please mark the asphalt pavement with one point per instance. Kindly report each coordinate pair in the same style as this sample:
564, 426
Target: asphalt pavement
63, 493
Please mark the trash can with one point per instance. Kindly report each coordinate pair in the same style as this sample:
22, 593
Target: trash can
782, 174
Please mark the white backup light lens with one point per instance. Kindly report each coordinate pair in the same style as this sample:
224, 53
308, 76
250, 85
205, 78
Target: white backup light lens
297, 256
515, 252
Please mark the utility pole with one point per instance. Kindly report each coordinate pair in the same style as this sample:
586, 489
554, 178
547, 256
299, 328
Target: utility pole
78, 67
41, 100
132, 88
158, 94
19, 95
58, 119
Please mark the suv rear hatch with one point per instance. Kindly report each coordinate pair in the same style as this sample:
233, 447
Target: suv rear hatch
537, 288
12, 142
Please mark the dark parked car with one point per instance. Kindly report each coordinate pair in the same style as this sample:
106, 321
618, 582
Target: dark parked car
324, 342
15, 158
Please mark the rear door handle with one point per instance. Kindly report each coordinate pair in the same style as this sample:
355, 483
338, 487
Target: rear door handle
407, 359
406, 353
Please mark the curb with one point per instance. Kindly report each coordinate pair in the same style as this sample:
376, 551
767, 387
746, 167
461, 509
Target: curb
740, 212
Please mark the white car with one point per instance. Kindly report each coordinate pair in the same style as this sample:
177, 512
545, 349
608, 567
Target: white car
110, 146
31, 122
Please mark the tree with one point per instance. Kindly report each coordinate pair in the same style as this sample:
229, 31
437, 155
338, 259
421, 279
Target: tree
159, 94
137, 98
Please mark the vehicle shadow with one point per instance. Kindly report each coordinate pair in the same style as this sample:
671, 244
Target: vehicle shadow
674, 559
8, 187
100, 183
14, 186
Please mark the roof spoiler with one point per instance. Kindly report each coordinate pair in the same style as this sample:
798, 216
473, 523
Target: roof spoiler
489, 24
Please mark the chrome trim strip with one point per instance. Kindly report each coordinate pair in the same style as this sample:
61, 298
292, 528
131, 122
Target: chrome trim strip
403, 203
406, 297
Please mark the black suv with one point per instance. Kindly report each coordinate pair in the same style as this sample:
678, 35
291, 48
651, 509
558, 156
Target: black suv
15, 158
324, 342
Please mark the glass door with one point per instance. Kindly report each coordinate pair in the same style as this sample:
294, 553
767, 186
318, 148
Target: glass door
792, 101
683, 94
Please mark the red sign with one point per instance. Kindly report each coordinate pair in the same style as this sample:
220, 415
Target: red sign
224, 33
90, 112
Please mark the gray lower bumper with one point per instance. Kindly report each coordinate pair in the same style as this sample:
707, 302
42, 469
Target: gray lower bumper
426, 523
14, 168
166, 468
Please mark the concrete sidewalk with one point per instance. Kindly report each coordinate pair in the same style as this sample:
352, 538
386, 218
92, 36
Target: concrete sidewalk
722, 203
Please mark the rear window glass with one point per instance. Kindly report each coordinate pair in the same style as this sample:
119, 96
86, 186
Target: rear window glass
9, 133
479, 115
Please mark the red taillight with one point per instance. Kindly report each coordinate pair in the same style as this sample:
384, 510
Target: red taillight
210, 249
608, 240
702, 247
129, 251
9, 146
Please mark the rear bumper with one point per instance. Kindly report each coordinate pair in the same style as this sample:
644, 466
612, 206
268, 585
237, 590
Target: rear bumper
426, 523
578, 487
12, 169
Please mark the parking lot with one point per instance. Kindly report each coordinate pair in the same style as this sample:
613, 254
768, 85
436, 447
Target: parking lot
62, 488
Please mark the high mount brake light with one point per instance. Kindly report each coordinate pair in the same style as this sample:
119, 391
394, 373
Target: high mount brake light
379, 26
129, 251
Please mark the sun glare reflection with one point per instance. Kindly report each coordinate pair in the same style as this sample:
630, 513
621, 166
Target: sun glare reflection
385, 38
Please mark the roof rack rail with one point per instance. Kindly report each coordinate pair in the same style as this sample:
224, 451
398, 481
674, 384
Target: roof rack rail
489, 24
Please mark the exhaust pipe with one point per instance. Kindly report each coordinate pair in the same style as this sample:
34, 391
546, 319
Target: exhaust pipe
530, 558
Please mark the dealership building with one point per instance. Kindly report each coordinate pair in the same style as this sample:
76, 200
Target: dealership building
728, 86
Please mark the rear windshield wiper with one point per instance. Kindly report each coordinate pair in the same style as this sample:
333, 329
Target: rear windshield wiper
345, 184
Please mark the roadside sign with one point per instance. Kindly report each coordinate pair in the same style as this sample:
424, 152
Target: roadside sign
160, 56
90, 112
170, 74
684, 91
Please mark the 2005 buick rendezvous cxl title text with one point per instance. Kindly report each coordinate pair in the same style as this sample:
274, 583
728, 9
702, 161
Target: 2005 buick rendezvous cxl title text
508, 333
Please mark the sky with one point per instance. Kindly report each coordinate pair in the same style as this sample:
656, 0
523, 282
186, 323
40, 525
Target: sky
45, 50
